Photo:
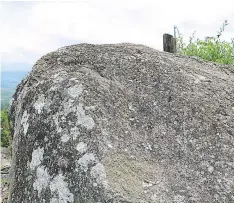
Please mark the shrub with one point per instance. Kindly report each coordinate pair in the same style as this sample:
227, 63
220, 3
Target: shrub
210, 49
5, 132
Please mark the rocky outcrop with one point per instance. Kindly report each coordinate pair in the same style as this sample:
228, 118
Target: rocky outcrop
122, 123
5, 167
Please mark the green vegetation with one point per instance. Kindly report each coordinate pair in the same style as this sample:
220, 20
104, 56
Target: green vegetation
210, 49
5, 132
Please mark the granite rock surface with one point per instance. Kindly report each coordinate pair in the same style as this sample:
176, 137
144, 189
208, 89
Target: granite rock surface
122, 123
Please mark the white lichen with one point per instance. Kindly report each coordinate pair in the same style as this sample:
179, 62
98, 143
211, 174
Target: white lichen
85, 161
59, 186
65, 137
149, 147
42, 181
69, 106
54, 200
211, 169
24, 122
106, 143
99, 174
11, 102
75, 91
81, 147
83, 119
92, 108
199, 79
39, 104
146, 184
75, 132
37, 157
46, 139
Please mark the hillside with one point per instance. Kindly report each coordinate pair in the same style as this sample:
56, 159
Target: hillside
9, 82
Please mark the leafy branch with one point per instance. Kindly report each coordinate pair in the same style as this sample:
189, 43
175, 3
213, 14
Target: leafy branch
209, 49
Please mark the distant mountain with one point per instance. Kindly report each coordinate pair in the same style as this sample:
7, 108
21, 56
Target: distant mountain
11, 79
9, 82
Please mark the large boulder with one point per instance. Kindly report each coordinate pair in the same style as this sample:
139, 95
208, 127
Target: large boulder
123, 123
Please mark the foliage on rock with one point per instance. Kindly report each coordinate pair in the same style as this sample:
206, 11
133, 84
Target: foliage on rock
5, 132
209, 49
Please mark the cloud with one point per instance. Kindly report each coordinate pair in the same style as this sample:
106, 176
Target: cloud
32, 29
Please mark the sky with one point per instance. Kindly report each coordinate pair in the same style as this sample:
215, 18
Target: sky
30, 30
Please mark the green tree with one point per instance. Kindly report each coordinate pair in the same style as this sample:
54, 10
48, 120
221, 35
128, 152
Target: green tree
209, 49
5, 132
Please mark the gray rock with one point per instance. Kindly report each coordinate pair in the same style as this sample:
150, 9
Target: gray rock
123, 123
5, 167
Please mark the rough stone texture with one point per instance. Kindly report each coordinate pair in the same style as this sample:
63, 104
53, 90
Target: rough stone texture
5, 157
124, 124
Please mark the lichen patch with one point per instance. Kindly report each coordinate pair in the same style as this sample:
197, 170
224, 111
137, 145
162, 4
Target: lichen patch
75, 132
65, 137
99, 174
69, 106
42, 181
59, 186
39, 104
83, 119
199, 79
81, 147
75, 91
24, 122
85, 161
37, 157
